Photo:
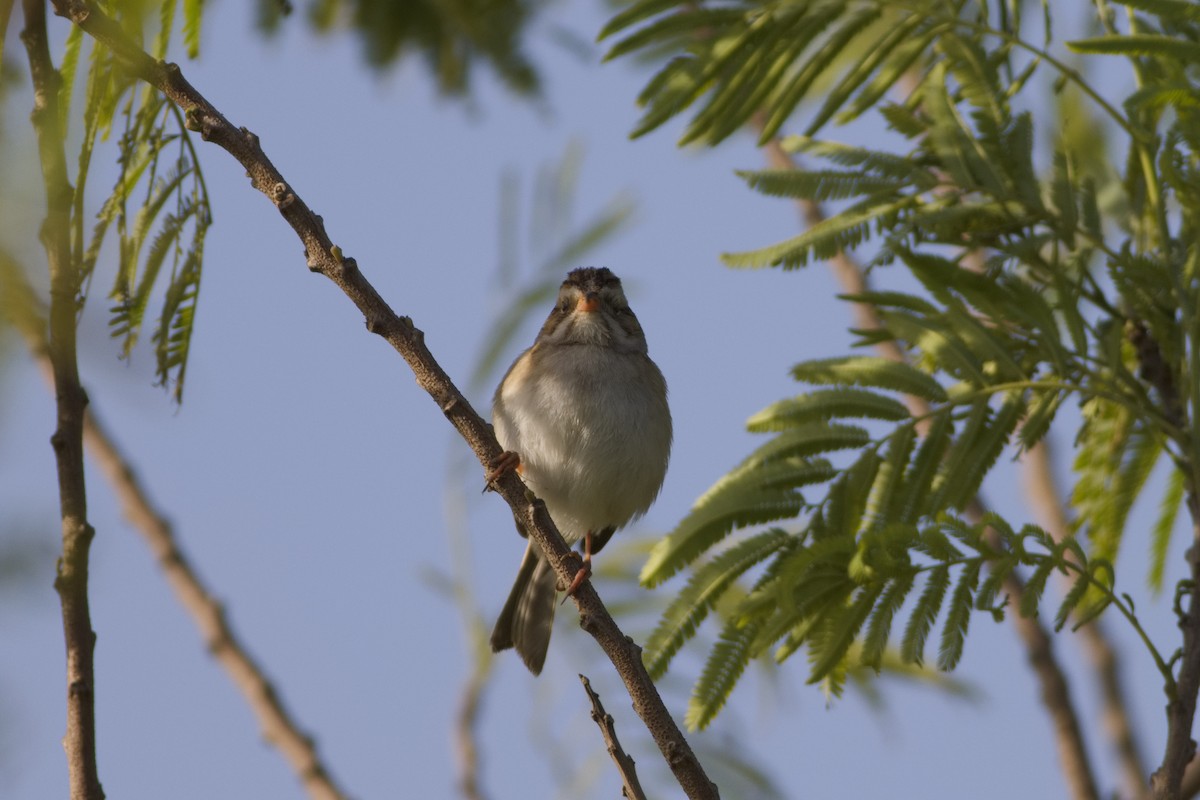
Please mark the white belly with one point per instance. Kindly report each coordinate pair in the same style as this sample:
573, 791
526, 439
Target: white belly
593, 434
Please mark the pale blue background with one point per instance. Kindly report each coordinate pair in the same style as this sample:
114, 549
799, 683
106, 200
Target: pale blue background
306, 471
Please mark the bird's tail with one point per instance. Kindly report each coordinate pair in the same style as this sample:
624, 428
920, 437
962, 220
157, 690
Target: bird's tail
528, 614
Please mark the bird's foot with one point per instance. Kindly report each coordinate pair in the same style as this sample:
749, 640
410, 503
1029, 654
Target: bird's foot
500, 466
582, 575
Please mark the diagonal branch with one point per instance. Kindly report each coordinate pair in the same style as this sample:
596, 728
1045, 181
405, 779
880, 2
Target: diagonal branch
20, 307
1038, 643
71, 580
1042, 490
631, 788
327, 259
278, 726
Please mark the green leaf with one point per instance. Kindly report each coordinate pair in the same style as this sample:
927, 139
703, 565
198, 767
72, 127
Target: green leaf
938, 343
818, 185
883, 506
1182, 10
1031, 594
875, 642
823, 240
635, 13
729, 505
1078, 589
685, 22
842, 628
870, 371
832, 45
919, 478
824, 405
66, 71
192, 10
912, 646
1160, 536
976, 451
1142, 44
693, 603
958, 616
809, 439
726, 663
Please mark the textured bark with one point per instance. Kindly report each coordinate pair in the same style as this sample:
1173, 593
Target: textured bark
71, 579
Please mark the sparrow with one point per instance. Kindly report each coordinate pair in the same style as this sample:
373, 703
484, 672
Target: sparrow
582, 417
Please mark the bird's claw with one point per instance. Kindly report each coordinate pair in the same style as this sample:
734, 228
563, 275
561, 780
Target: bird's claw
500, 466
585, 572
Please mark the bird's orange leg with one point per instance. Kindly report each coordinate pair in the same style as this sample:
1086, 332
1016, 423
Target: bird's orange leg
585, 571
500, 466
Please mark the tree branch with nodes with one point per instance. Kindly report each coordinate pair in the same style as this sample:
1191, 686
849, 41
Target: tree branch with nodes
327, 259
71, 578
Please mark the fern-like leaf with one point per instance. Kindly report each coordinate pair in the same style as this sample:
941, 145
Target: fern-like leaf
825, 405
958, 616
1160, 536
714, 516
726, 663
828, 651
924, 614
693, 603
1139, 45
871, 372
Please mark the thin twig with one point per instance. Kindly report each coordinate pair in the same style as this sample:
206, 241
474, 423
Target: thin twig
1166, 782
474, 688
1041, 488
278, 727
1037, 642
327, 259
630, 787
71, 580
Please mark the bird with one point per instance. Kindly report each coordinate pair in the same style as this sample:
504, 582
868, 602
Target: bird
582, 416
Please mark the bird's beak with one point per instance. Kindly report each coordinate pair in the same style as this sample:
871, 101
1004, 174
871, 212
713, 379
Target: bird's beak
589, 303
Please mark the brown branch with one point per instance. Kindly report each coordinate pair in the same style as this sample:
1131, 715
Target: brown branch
1166, 782
1037, 642
71, 579
470, 703
1041, 488
278, 727
325, 258
630, 787
465, 750
1190, 785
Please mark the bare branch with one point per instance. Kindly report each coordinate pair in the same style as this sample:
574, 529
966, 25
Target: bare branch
1038, 644
71, 580
278, 727
327, 259
631, 789
1044, 496
1166, 782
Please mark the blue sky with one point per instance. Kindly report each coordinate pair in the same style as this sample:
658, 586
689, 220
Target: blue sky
307, 474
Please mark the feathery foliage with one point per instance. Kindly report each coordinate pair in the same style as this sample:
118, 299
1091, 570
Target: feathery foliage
158, 209
1049, 279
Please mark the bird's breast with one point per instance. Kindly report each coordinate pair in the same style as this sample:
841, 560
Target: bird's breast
593, 432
